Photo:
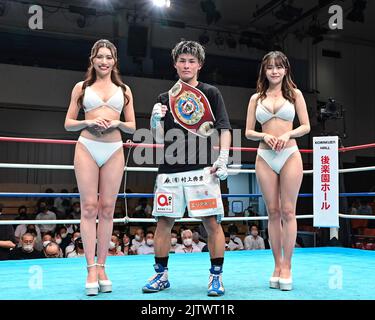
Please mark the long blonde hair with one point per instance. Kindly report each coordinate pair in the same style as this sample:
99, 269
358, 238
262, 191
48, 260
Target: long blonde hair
287, 86
91, 73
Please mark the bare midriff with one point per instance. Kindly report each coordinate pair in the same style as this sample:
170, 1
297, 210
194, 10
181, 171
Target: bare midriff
109, 135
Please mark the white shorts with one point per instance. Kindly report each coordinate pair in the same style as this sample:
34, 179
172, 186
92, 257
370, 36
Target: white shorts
199, 190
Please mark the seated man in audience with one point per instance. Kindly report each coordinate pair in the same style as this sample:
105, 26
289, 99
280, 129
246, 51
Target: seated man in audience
45, 214
174, 241
148, 246
188, 246
22, 215
114, 246
52, 250
7, 241
47, 238
235, 242
27, 228
254, 241
196, 240
26, 250
138, 240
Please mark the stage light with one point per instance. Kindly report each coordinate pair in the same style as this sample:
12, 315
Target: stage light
162, 3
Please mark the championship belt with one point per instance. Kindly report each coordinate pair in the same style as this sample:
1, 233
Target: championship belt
191, 109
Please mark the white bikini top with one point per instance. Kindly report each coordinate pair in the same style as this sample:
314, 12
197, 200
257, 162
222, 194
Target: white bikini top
286, 112
92, 101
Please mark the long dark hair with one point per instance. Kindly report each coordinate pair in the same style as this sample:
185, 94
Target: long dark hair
91, 73
287, 86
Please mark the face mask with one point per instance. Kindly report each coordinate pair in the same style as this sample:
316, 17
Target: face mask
126, 244
112, 245
150, 242
28, 247
173, 241
63, 235
137, 237
45, 243
188, 242
254, 233
58, 241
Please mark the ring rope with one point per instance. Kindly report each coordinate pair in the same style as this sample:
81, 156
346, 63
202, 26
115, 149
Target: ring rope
149, 145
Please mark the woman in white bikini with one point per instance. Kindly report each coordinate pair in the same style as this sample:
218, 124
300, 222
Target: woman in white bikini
278, 165
99, 158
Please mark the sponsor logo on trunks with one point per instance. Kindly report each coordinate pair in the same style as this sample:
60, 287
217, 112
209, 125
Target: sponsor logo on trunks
164, 202
203, 204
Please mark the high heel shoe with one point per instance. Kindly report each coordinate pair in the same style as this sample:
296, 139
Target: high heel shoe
105, 286
286, 284
274, 283
92, 288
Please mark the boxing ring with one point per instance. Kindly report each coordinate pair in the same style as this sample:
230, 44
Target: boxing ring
320, 273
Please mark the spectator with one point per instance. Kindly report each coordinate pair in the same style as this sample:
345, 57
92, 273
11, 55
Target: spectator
47, 238
143, 209
52, 250
148, 246
45, 214
63, 238
29, 228
78, 249
76, 211
7, 241
114, 246
22, 215
364, 208
174, 241
353, 209
138, 240
117, 232
125, 244
235, 242
26, 251
254, 241
76, 234
62, 204
71, 228
249, 212
188, 246
50, 200
197, 242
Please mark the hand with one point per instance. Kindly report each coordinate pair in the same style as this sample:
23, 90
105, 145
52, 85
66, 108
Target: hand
220, 165
113, 123
99, 124
270, 140
282, 141
158, 112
